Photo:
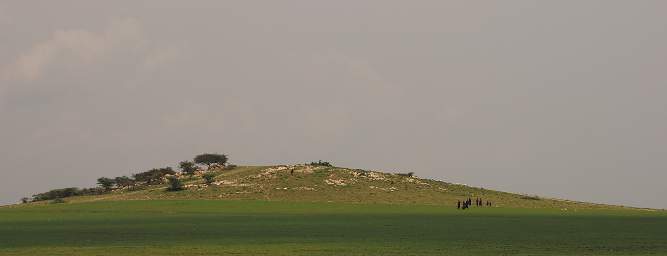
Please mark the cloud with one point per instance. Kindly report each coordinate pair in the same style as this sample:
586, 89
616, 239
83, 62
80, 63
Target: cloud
5, 19
75, 46
162, 56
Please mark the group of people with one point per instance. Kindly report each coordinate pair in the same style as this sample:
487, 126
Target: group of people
467, 203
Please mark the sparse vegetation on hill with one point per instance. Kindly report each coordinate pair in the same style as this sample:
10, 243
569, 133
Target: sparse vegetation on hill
139, 181
313, 182
323, 183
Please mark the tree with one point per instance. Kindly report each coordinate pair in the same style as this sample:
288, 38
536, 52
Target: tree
175, 183
25, 200
209, 159
209, 177
106, 183
153, 176
320, 163
188, 167
124, 181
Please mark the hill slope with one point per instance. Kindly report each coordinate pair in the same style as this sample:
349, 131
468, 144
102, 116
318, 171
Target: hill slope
308, 183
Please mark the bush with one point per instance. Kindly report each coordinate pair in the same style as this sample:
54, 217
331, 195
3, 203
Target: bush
175, 183
409, 174
58, 201
25, 200
230, 167
320, 163
209, 178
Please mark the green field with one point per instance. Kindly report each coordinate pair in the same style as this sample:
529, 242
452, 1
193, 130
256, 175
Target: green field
216, 227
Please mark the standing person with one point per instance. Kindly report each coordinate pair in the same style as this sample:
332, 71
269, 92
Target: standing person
458, 205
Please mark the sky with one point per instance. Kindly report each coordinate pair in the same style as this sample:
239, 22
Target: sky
564, 99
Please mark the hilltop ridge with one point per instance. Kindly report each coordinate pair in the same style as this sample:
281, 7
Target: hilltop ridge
324, 183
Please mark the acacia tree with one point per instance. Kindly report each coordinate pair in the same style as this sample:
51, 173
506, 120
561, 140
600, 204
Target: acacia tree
188, 167
210, 159
106, 183
153, 176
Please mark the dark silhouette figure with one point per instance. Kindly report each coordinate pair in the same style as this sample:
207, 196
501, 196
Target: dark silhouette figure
458, 205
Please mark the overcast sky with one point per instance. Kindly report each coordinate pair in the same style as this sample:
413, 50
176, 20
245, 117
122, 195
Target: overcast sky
562, 99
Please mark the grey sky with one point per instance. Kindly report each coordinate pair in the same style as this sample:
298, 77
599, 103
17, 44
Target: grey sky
557, 98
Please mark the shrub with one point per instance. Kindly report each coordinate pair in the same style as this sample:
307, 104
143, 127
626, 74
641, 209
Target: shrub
58, 201
175, 183
320, 163
187, 167
25, 200
209, 178
210, 159
409, 174
230, 167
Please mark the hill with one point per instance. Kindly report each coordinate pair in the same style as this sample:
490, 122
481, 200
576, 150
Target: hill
316, 183
323, 210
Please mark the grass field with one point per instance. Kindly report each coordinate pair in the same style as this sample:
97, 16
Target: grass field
216, 227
